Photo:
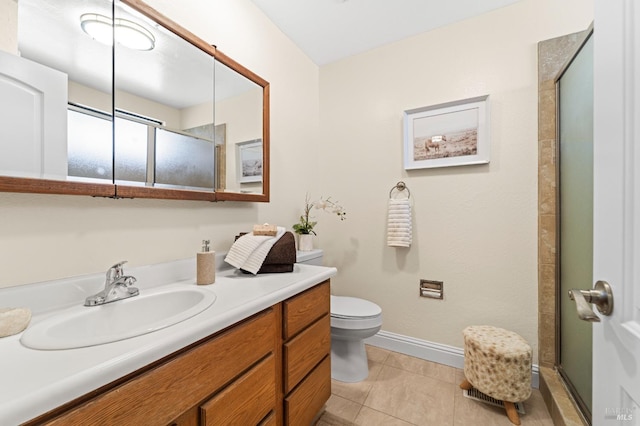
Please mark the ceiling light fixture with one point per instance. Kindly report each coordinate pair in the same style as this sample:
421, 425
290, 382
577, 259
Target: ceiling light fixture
127, 33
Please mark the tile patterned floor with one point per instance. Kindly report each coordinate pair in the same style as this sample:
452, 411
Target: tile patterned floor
404, 391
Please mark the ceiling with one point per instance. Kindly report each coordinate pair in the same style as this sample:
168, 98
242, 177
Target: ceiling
329, 30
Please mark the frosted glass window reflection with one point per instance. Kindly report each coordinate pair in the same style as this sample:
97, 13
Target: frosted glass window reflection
144, 153
130, 150
184, 160
89, 147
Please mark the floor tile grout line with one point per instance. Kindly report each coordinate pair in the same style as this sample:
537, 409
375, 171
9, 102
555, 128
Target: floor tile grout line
392, 416
401, 367
357, 414
454, 406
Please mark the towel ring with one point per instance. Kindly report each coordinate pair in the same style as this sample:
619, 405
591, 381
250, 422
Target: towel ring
400, 186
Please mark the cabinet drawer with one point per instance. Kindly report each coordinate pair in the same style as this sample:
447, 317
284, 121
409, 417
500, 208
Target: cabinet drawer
163, 393
302, 405
269, 421
305, 351
189, 418
302, 310
252, 397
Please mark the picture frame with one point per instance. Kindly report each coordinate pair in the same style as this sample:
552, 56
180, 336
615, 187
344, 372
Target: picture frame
449, 134
249, 161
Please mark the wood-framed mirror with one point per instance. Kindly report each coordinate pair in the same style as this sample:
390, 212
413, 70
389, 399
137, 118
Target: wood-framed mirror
180, 119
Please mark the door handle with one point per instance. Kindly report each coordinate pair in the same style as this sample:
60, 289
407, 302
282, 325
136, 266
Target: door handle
600, 295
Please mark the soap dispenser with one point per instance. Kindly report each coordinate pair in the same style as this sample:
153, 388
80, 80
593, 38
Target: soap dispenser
206, 265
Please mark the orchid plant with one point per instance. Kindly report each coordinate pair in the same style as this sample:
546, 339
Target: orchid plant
305, 225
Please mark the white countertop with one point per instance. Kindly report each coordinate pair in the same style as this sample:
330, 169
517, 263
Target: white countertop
33, 382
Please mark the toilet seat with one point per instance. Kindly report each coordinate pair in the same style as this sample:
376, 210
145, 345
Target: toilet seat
354, 314
353, 308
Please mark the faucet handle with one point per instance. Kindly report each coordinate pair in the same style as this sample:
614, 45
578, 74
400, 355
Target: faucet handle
116, 271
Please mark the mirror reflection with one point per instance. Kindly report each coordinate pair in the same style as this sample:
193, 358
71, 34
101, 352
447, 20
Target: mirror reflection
238, 112
41, 80
164, 94
183, 120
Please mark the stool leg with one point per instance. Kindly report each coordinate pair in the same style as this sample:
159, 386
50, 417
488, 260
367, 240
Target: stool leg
465, 385
512, 413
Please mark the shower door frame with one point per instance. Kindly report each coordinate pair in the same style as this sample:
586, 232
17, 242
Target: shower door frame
577, 399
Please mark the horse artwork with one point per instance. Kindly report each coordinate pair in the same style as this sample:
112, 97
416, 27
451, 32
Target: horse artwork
434, 142
454, 144
450, 134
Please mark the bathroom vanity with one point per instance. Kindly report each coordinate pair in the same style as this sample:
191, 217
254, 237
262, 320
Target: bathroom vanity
260, 354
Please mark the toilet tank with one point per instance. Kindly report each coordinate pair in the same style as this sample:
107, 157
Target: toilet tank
312, 257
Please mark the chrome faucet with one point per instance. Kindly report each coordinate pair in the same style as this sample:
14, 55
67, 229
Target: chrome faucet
117, 286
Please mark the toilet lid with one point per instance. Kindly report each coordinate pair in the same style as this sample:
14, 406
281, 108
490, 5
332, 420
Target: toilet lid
353, 307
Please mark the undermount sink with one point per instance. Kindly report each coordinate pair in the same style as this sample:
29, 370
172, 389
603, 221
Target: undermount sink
152, 310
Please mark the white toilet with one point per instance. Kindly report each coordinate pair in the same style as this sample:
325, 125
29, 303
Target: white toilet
352, 321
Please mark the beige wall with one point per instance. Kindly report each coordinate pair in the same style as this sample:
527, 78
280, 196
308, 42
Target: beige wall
9, 26
147, 108
43, 237
88, 96
475, 227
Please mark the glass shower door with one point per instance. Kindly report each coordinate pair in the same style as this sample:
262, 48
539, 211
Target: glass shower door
575, 227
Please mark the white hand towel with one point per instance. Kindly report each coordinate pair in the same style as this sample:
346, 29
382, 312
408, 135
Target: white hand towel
399, 226
249, 251
242, 249
256, 259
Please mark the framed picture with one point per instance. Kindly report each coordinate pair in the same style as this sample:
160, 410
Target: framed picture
249, 161
450, 134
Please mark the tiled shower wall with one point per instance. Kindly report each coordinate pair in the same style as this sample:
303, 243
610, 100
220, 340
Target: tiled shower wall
553, 54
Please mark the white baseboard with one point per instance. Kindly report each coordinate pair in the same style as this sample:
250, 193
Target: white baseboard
430, 351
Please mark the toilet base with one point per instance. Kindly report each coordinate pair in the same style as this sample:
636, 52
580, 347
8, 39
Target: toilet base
349, 360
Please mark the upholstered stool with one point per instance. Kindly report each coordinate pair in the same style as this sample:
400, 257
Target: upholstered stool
497, 362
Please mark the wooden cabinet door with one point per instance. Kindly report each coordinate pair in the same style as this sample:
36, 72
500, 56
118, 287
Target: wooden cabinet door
305, 308
246, 401
305, 351
302, 405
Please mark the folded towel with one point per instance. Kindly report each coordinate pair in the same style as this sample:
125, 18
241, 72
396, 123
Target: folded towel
399, 234
249, 251
281, 257
13, 320
256, 259
399, 226
394, 218
242, 249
